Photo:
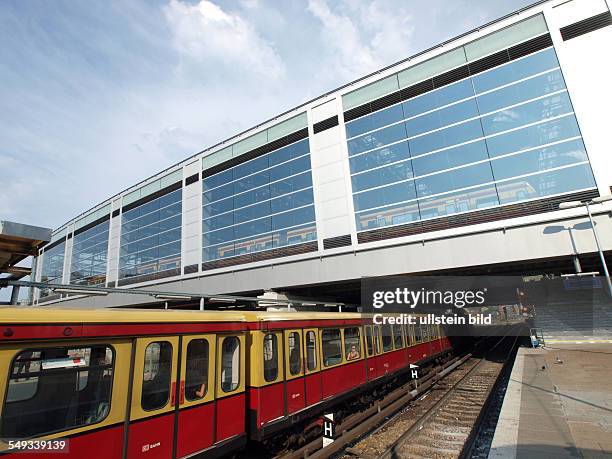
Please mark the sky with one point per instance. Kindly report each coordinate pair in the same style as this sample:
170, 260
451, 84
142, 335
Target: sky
97, 96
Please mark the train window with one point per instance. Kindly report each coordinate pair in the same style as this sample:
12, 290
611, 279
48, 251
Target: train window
332, 347
72, 384
417, 333
398, 342
157, 374
295, 353
387, 338
270, 357
311, 351
407, 333
230, 364
196, 375
369, 341
352, 343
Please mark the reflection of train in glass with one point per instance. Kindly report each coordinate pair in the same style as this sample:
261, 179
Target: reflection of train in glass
164, 384
264, 242
470, 200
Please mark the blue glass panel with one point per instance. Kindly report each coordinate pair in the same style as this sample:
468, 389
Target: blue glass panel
452, 180
252, 181
254, 244
382, 176
216, 180
293, 218
220, 221
291, 201
252, 212
382, 196
445, 137
530, 112
219, 251
292, 236
251, 197
546, 184
169, 223
453, 157
158, 225
222, 192
148, 207
218, 207
170, 236
392, 215
540, 159
375, 158
377, 139
289, 152
248, 202
250, 167
170, 198
525, 90
533, 136
459, 201
438, 98
291, 168
252, 228
171, 210
443, 117
89, 253
290, 185
217, 237
374, 121
515, 70
169, 250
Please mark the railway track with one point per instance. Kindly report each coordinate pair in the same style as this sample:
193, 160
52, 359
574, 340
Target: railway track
445, 426
439, 418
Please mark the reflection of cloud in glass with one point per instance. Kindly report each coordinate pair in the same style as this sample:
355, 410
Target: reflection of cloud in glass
577, 154
506, 116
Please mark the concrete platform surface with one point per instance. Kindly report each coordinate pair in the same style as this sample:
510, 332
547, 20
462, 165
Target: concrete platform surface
558, 403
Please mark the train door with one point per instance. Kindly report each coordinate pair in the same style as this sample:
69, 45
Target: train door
294, 371
196, 415
151, 430
230, 383
378, 350
370, 353
313, 378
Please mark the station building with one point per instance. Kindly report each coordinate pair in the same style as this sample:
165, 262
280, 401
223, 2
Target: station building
453, 160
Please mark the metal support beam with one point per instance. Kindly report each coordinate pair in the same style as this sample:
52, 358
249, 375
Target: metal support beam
91, 290
15, 294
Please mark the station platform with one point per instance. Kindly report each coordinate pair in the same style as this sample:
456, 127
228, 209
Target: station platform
558, 403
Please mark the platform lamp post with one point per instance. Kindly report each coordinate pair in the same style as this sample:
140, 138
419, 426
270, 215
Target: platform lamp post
587, 204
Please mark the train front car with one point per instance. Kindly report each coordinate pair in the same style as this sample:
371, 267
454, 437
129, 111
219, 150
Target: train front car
121, 383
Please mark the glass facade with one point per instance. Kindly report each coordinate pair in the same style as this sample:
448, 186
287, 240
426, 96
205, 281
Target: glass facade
506, 135
500, 137
261, 204
52, 266
151, 237
89, 253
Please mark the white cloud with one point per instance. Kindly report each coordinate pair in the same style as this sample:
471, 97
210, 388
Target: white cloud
363, 35
206, 33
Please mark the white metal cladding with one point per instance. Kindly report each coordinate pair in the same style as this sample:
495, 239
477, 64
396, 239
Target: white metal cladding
333, 202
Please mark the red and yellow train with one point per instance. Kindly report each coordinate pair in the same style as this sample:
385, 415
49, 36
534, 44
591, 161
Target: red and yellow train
148, 384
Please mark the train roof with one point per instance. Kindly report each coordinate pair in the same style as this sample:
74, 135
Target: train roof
111, 315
